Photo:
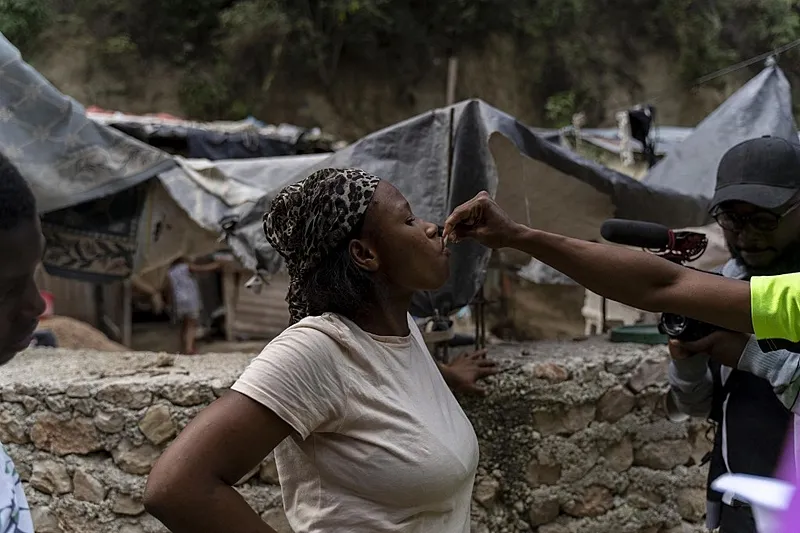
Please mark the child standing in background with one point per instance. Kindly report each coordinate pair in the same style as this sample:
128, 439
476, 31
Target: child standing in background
186, 301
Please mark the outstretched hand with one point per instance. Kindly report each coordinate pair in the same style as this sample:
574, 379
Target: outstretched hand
483, 220
465, 370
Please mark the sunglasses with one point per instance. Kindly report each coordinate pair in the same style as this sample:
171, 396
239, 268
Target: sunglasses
763, 220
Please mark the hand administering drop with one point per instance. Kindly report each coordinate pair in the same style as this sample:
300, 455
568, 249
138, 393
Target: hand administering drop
483, 220
634, 278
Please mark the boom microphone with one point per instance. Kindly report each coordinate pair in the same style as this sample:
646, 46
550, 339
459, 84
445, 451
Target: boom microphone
639, 234
679, 247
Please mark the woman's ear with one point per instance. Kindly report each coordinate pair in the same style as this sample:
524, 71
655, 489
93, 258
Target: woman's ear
364, 255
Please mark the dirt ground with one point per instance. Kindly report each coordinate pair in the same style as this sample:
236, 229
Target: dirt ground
73, 334
164, 337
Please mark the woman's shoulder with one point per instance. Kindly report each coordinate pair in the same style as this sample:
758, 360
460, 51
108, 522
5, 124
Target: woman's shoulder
328, 324
313, 336
335, 333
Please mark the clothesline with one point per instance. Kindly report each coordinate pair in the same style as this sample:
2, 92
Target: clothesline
663, 95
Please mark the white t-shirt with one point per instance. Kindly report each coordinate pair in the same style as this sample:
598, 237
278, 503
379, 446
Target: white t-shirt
382, 445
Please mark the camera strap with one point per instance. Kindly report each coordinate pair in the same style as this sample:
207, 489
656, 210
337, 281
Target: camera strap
721, 390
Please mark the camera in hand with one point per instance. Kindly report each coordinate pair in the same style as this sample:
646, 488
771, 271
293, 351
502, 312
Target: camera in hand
683, 328
679, 247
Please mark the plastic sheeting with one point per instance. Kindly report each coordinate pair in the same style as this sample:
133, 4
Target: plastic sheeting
239, 145
85, 176
442, 158
210, 191
763, 106
66, 158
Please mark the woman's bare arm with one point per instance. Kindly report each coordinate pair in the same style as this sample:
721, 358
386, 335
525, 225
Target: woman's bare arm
631, 277
190, 488
205, 267
642, 280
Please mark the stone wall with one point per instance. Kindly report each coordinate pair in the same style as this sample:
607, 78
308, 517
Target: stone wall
573, 439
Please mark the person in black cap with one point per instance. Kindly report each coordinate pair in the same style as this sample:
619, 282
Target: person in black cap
747, 388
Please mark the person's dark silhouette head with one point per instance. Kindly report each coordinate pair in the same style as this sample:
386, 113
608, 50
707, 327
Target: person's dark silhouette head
21, 249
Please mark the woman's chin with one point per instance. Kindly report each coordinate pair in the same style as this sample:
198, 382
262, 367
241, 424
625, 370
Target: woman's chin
438, 274
439, 283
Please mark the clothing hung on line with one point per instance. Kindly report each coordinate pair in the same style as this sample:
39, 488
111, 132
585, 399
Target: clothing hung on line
381, 444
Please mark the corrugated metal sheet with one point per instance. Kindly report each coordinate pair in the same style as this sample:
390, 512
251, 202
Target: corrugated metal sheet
260, 315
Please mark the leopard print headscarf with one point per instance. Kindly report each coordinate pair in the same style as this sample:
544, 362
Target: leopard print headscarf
307, 220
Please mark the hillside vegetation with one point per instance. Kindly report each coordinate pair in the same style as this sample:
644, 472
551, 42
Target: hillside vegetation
228, 53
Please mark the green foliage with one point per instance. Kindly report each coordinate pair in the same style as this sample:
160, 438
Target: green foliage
119, 45
205, 95
559, 108
232, 50
22, 20
253, 35
177, 30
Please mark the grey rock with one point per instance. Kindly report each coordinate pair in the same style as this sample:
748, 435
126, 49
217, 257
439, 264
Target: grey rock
109, 422
79, 390
127, 505
50, 477
125, 395
45, 520
157, 424
135, 459
663, 455
88, 488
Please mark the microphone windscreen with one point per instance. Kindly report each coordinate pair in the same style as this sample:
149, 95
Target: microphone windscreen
634, 233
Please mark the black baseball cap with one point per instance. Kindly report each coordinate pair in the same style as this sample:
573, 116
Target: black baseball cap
764, 172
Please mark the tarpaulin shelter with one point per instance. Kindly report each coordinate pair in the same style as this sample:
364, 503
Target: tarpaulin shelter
69, 160
444, 157
248, 138
103, 215
102, 224
763, 106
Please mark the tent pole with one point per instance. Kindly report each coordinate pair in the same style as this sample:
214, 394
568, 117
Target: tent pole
604, 317
127, 313
452, 78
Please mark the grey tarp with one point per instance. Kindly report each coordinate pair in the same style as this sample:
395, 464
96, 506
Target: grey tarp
442, 158
209, 191
67, 158
763, 106
71, 161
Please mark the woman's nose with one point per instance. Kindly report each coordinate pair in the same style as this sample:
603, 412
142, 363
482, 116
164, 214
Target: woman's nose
432, 230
